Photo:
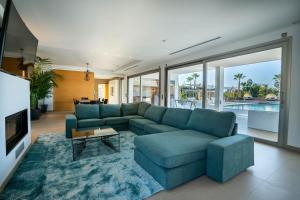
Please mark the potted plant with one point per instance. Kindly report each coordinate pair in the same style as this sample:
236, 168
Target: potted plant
42, 80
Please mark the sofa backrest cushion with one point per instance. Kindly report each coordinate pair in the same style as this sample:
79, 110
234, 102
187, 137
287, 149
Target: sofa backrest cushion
219, 124
176, 117
129, 108
110, 110
87, 111
155, 113
143, 106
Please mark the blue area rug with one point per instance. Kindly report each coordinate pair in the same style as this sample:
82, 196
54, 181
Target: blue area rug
48, 172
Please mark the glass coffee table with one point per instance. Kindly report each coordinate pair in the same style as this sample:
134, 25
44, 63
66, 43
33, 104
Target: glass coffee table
80, 138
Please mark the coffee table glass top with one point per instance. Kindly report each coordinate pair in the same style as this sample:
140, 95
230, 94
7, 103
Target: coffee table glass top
81, 138
99, 132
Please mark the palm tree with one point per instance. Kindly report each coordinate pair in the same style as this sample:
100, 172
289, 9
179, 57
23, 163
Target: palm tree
277, 79
42, 80
195, 76
239, 77
189, 79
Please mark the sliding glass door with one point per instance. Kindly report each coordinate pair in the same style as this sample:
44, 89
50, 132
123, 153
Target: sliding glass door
184, 87
252, 83
134, 89
249, 86
150, 88
144, 88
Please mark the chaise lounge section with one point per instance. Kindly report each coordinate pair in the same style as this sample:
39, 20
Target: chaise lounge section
174, 145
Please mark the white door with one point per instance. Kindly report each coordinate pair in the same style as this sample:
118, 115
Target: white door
101, 91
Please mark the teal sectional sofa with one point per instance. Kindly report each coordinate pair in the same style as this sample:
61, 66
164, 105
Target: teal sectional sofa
174, 145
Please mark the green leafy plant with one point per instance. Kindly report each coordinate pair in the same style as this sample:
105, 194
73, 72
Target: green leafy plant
254, 90
246, 86
182, 94
231, 94
42, 80
263, 90
277, 80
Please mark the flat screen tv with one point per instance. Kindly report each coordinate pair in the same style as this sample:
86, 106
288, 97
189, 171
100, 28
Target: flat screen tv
17, 43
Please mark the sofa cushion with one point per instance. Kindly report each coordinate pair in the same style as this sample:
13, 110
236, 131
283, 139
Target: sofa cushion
115, 120
140, 123
143, 106
158, 128
173, 149
110, 110
87, 111
85, 123
155, 113
133, 117
176, 117
219, 124
129, 108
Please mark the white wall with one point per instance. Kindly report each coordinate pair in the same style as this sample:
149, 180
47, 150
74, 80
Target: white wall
294, 31
115, 97
14, 97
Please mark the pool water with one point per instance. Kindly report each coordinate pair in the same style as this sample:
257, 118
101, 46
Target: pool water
255, 106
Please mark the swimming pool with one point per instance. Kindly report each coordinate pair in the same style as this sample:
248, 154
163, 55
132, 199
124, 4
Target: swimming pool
274, 107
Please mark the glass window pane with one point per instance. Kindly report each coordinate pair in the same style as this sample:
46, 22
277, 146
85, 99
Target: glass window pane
185, 87
134, 89
249, 86
150, 88
212, 98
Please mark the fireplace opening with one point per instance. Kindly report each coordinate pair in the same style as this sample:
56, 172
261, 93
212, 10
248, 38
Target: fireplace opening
16, 127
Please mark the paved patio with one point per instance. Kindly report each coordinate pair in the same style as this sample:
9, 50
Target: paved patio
242, 121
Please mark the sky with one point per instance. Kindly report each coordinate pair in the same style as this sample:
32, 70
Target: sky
260, 73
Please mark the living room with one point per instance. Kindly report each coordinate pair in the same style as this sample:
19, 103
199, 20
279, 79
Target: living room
149, 99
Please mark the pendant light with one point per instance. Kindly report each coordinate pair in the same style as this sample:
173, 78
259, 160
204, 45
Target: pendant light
87, 73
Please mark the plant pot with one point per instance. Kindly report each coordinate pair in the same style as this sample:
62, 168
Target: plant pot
35, 114
44, 108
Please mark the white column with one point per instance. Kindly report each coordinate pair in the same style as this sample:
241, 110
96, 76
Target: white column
163, 93
130, 90
219, 79
176, 87
125, 90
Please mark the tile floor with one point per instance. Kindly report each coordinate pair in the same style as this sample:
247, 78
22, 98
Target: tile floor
275, 176
243, 129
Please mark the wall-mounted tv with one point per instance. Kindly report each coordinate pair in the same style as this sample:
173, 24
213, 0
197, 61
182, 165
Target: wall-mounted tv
18, 45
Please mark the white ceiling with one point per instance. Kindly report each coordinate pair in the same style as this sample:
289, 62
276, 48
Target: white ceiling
262, 56
115, 33
258, 57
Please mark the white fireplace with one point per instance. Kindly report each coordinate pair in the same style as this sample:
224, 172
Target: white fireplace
14, 101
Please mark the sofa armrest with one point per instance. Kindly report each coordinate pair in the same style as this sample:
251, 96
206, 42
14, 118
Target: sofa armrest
227, 157
71, 123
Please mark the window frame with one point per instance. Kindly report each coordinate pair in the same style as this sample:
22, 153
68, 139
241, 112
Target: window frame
286, 45
142, 74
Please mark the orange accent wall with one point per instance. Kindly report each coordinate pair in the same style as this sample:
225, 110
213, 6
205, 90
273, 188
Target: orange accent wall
106, 92
71, 86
